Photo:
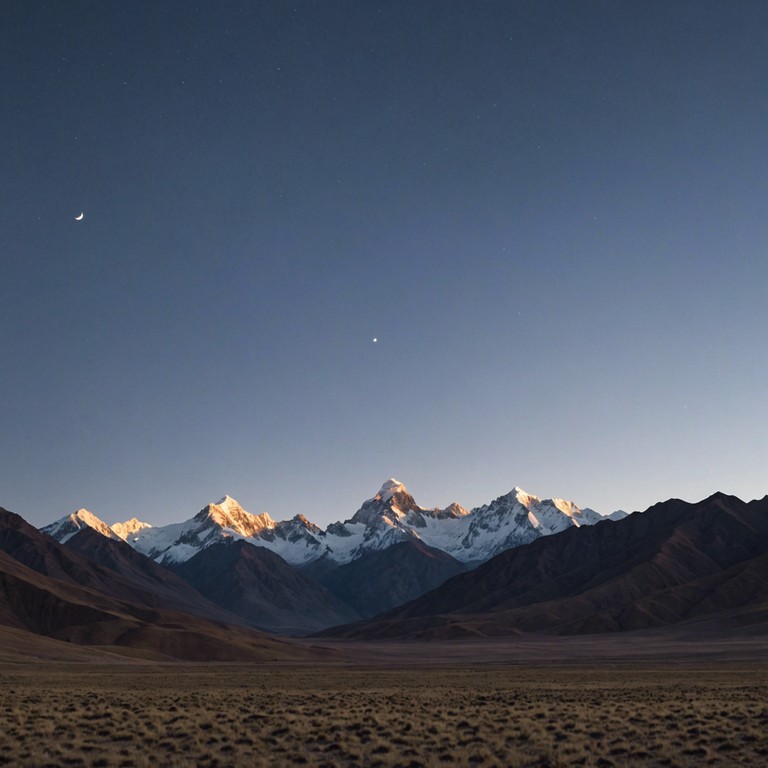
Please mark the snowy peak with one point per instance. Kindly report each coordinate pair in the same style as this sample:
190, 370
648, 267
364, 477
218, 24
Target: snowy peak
394, 496
64, 529
297, 526
515, 519
517, 497
296, 540
452, 511
227, 513
129, 528
578, 516
554, 509
526, 499
389, 489
299, 521
390, 505
223, 521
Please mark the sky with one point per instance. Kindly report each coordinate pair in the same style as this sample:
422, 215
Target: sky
551, 216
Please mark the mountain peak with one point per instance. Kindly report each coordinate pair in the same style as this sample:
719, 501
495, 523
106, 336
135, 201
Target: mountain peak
227, 513
85, 515
129, 528
390, 488
66, 527
392, 502
518, 491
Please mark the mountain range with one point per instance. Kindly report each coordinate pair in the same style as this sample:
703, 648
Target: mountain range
294, 577
390, 517
82, 583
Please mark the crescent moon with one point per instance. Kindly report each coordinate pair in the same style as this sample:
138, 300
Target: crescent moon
80, 217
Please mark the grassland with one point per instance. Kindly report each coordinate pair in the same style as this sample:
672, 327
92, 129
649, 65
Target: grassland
513, 715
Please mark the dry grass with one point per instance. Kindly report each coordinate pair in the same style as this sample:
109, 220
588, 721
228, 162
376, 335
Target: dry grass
469, 716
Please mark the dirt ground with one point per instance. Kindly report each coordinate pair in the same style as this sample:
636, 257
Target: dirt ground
512, 715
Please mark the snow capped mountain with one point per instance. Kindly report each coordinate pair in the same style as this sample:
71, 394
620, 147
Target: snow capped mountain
296, 540
509, 521
64, 529
129, 528
390, 517
224, 520
394, 506
228, 514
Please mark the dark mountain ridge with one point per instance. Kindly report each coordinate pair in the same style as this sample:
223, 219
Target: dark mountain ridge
151, 583
383, 579
261, 588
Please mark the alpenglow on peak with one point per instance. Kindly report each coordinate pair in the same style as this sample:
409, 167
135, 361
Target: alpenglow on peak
64, 529
390, 488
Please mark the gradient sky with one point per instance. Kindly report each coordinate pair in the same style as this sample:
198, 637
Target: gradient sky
553, 216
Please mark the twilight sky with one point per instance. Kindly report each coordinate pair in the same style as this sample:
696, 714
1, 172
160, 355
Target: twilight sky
553, 216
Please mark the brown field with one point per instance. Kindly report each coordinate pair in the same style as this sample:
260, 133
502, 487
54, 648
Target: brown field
622, 714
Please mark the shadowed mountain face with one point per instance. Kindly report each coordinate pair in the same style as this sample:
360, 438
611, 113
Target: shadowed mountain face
381, 580
677, 562
261, 588
49, 589
150, 582
109, 566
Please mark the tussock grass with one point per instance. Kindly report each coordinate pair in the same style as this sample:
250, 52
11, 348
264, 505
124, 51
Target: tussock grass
506, 716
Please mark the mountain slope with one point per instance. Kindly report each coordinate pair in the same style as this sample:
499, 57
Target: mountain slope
676, 562
151, 584
383, 579
263, 589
